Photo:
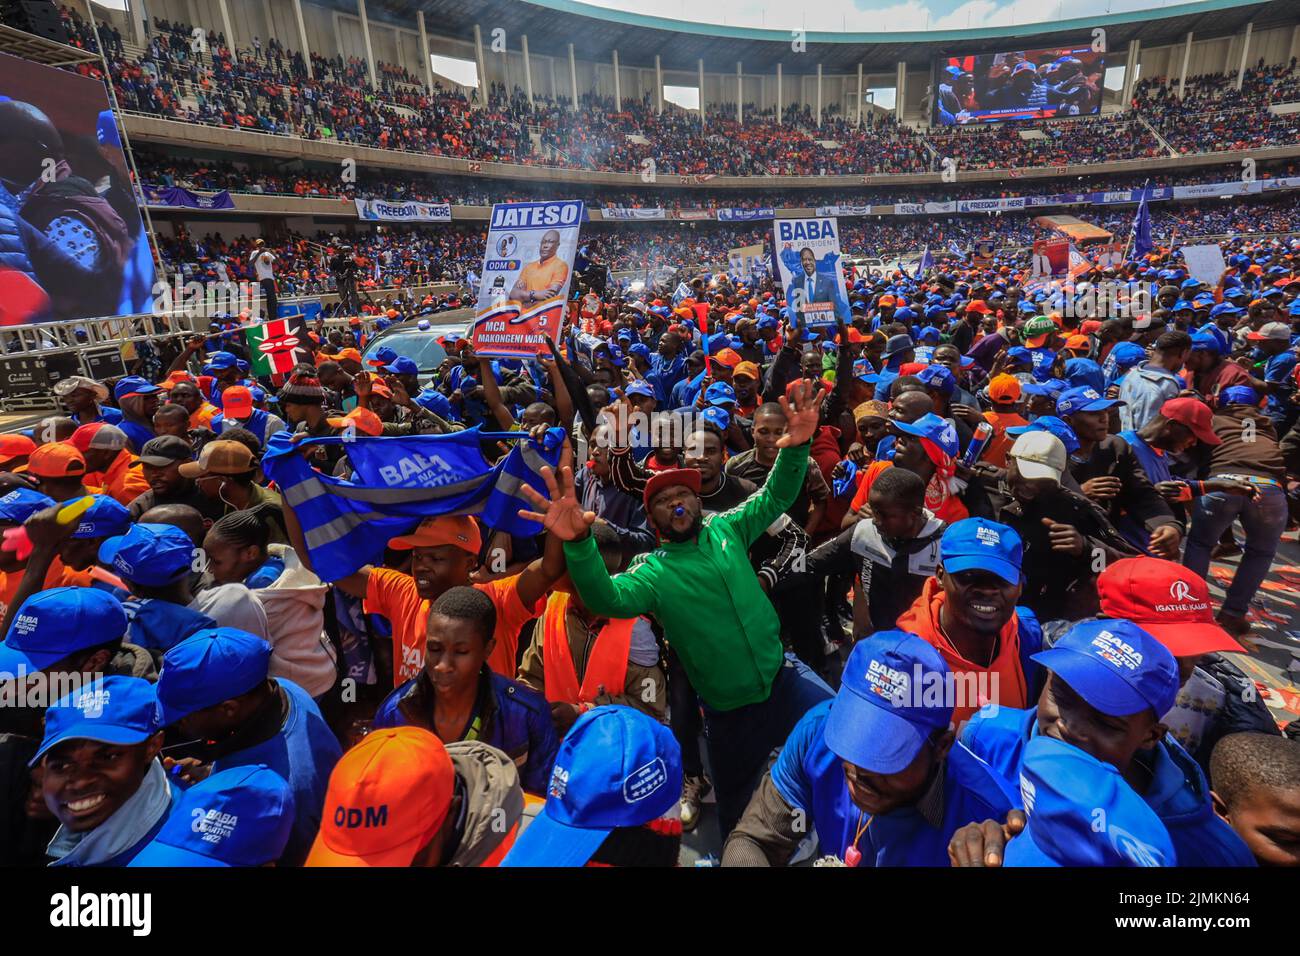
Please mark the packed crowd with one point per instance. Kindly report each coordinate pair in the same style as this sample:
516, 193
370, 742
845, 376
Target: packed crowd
267, 88
947, 554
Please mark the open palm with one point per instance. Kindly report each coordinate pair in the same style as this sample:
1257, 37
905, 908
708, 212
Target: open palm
559, 512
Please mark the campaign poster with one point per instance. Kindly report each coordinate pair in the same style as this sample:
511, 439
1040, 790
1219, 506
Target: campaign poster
808, 259
1019, 85
527, 269
1051, 258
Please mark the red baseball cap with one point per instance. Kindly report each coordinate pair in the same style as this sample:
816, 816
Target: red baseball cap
667, 479
1166, 600
237, 402
1195, 414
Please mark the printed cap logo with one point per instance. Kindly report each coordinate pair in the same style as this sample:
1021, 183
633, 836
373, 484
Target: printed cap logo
644, 781
887, 682
989, 537
559, 782
1180, 591
1027, 793
1116, 651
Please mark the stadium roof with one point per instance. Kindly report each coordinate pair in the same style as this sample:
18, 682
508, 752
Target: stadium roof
597, 31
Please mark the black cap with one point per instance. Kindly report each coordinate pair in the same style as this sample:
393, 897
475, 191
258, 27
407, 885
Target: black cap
165, 450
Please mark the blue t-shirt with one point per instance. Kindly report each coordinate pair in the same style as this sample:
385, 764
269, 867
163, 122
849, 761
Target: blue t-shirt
303, 753
1278, 369
267, 574
810, 777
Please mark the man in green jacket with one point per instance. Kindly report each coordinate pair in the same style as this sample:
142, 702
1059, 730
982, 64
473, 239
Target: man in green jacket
701, 588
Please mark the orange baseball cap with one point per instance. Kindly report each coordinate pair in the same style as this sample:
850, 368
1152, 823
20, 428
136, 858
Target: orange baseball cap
728, 357
459, 530
1078, 342
978, 305
15, 446
352, 354
387, 798
1004, 388
361, 419
56, 460
885, 302
747, 369
237, 402
381, 389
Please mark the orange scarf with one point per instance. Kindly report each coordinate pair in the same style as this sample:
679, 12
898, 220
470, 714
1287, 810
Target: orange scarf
1010, 690
606, 665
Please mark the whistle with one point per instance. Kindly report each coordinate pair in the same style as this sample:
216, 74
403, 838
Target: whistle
678, 511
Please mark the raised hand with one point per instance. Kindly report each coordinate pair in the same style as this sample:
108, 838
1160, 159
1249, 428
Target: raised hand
562, 515
803, 413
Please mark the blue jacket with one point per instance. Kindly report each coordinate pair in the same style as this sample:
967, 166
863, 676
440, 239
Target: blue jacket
256, 424
13, 249
509, 716
136, 433
304, 753
1179, 793
809, 776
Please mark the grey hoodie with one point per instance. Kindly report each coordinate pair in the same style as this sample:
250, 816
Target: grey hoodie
494, 801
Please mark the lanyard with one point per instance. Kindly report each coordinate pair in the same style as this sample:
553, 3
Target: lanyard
853, 856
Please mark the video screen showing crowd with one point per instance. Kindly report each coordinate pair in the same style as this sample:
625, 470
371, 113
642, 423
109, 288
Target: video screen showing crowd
1019, 85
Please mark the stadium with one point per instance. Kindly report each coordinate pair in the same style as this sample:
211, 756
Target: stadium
536, 433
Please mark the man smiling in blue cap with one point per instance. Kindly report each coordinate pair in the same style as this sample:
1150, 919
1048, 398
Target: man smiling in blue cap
1109, 684
876, 771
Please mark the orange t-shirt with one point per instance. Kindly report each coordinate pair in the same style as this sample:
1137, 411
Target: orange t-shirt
995, 452
202, 417
393, 594
9, 583
537, 276
122, 482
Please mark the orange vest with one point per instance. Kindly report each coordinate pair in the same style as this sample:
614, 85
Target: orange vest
606, 664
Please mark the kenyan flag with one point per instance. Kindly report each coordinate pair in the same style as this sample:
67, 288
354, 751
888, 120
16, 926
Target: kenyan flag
276, 347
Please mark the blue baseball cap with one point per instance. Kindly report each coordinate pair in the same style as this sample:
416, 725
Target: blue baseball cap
1207, 342
52, 624
21, 503
1182, 305
717, 416
133, 385
1125, 355
616, 355
639, 387
720, 393
938, 377
863, 372
1050, 423
149, 554
402, 365
978, 544
767, 321
640, 350
432, 400
624, 334
938, 430
1081, 812
1189, 284
237, 817
880, 719
1238, 395
115, 710
1083, 399
929, 334
1019, 353
1224, 308
104, 519
385, 355
616, 767
904, 314
221, 361
1084, 373
208, 667
1117, 667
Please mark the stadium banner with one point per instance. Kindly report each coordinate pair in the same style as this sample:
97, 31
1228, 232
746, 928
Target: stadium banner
694, 214
381, 210
747, 215
1234, 187
974, 89
527, 269
1282, 182
808, 261
745, 260
175, 196
938, 208
60, 137
619, 212
991, 205
909, 208
851, 210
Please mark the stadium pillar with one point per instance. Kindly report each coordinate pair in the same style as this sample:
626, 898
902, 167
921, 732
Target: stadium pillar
740, 93
424, 49
819, 96
780, 107
859, 123
618, 87
1245, 55
302, 37
135, 17
528, 70
659, 86
573, 72
900, 91
1130, 70
482, 68
225, 23
365, 32
1187, 55
701, 65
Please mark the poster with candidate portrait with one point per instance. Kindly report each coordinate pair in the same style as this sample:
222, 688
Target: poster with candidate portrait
808, 259
75, 247
527, 270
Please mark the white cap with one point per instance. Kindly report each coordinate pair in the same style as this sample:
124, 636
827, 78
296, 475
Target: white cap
66, 386
1039, 454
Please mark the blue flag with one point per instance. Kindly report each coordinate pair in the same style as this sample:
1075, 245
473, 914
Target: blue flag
926, 263
1142, 243
398, 482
